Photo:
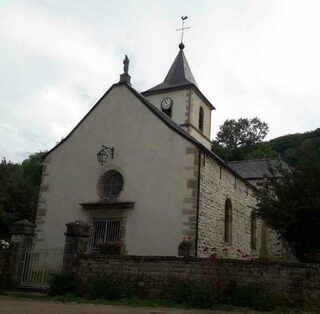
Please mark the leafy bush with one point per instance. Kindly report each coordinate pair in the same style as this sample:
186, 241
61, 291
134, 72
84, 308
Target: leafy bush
253, 296
5, 282
209, 292
180, 292
62, 284
203, 295
106, 287
199, 295
185, 245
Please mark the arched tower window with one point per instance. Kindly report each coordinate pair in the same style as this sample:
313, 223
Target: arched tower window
253, 231
201, 117
228, 221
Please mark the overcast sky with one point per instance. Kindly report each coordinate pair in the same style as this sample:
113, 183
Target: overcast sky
249, 57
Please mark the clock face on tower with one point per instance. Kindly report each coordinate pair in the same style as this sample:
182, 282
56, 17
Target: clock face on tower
166, 103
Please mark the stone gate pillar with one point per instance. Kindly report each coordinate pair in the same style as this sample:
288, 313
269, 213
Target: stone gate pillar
77, 240
22, 233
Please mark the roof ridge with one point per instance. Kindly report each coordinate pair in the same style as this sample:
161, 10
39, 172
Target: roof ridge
252, 160
169, 122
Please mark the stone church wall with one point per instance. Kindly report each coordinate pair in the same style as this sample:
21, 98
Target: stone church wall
217, 185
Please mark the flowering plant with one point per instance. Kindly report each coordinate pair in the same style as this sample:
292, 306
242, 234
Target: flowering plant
113, 248
112, 244
4, 245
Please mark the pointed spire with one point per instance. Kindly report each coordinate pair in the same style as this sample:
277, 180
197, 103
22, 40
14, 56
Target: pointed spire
179, 74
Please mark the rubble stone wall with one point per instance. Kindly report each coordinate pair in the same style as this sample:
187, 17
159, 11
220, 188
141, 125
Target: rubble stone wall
293, 280
218, 184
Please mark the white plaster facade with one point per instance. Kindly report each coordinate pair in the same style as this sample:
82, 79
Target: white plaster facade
154, 175
185, 112
181, 103
160, 171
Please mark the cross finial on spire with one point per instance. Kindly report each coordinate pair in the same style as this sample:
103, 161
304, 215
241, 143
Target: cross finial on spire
183, 18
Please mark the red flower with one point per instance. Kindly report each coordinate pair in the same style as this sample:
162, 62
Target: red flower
213, 257
219, 285
207, 273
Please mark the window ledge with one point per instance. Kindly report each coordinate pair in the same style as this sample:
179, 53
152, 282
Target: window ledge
107, 205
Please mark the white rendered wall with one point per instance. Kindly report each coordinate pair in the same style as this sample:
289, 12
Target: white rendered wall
181, 101
185, 110
154, 164
196, 103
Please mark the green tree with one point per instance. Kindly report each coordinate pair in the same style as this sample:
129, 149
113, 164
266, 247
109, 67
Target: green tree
223, 152
9, 191
261, 150
290, 204
288, 146
19, 190
234, 134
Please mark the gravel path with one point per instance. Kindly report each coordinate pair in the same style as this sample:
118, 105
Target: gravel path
11, 305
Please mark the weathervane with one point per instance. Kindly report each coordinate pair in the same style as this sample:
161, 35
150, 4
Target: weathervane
183, 18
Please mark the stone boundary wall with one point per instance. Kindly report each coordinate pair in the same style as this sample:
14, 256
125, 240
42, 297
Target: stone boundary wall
294, 280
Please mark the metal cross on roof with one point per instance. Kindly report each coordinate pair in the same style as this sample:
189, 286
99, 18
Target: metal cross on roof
183, 18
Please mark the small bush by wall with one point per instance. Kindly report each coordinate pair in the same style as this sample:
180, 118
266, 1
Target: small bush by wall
3, 260
108, 287
61, 284
5, 282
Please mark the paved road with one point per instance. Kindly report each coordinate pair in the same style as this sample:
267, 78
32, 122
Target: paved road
10, 305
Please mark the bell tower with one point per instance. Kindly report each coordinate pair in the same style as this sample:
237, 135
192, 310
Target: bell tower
180, 98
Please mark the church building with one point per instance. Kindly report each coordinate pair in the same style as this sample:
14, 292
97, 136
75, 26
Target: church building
139, 169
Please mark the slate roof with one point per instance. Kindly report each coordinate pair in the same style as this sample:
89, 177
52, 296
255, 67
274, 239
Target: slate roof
179, 74
257, 168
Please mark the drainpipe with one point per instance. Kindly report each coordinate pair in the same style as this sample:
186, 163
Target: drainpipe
198, 203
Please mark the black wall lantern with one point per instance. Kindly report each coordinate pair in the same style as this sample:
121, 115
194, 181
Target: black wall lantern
104, 153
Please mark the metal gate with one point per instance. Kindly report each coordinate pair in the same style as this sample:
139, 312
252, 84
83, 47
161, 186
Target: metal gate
39, 265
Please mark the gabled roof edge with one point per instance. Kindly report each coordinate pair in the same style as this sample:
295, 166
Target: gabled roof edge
162, 117
189, 138
64, 139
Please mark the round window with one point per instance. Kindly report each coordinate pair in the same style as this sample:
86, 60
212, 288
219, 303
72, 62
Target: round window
111, 184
